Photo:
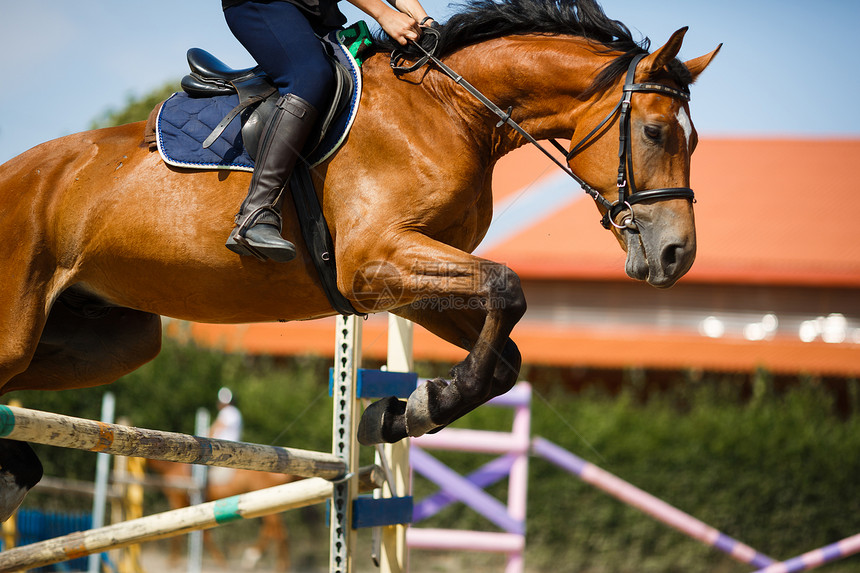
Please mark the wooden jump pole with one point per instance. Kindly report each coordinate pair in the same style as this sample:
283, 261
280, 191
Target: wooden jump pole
176, 522
69, 432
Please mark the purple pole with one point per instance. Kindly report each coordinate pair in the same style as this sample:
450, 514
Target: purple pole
647, 503
486, 475
464, 491
817, 557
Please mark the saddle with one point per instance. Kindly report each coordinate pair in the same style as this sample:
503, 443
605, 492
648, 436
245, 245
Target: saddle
211, 77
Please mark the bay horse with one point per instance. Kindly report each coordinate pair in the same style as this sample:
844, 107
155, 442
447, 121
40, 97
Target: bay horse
272, 533
101, 225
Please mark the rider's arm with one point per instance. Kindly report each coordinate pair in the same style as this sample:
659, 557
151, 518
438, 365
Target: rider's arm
401, 24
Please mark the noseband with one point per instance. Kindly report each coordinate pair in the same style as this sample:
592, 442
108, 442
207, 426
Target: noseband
628, 195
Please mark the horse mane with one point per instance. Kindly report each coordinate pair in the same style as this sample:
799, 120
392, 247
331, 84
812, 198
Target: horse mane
481, 20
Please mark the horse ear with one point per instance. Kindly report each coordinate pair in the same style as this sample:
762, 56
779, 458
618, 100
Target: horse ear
653, 63
698, 65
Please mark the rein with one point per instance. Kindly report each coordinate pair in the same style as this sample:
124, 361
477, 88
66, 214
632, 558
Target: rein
628, 195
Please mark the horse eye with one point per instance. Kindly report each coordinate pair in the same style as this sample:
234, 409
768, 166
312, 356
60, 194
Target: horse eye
653, 132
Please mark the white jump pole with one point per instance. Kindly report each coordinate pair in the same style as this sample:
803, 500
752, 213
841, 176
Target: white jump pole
176, 522
347, 361
101, 485
394, 554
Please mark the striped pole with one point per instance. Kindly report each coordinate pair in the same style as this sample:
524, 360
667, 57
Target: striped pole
648, 504
69, 432
176, 522
817, 557
101, 483
344, 430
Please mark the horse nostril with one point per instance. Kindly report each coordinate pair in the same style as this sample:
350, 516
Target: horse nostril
671, 256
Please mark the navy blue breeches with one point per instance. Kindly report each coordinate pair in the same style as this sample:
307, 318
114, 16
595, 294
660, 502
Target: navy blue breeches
282, 41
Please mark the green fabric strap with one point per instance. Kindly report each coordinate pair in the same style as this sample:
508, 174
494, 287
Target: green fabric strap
356, 39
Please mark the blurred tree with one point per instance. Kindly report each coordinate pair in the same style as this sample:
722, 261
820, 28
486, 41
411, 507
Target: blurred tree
137, 108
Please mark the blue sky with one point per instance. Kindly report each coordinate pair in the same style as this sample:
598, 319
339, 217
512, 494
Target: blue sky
787, 68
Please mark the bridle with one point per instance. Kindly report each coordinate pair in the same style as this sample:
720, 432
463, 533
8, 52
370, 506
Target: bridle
628, 195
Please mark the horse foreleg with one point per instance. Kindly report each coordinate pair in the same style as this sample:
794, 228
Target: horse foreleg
453, 282
462, 329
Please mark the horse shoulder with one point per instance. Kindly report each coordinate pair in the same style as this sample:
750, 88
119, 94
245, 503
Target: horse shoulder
409, 165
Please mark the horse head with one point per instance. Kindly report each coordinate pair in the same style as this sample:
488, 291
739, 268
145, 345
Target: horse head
653, 215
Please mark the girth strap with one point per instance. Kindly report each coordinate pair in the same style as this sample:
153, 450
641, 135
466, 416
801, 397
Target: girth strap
317, 237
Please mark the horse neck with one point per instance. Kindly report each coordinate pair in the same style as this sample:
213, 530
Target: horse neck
540, 77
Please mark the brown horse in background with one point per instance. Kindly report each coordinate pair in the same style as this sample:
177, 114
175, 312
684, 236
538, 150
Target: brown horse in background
232, 482
102, 237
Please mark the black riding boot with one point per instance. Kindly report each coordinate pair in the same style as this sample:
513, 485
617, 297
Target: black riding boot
258, 224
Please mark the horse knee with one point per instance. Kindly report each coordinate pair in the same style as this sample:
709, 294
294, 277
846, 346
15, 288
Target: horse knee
505, 291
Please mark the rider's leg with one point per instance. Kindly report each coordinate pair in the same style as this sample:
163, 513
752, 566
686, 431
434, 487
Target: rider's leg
259, 218
282, 41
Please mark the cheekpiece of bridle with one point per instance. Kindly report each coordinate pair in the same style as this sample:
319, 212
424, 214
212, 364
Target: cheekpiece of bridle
628, 195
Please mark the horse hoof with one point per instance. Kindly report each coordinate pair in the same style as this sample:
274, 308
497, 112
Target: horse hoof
20, 470
418, 407
383, 422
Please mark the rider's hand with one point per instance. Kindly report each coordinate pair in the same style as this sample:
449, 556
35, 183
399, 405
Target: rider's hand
402, 27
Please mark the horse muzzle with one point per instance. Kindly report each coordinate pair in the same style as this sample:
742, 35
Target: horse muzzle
657, 255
